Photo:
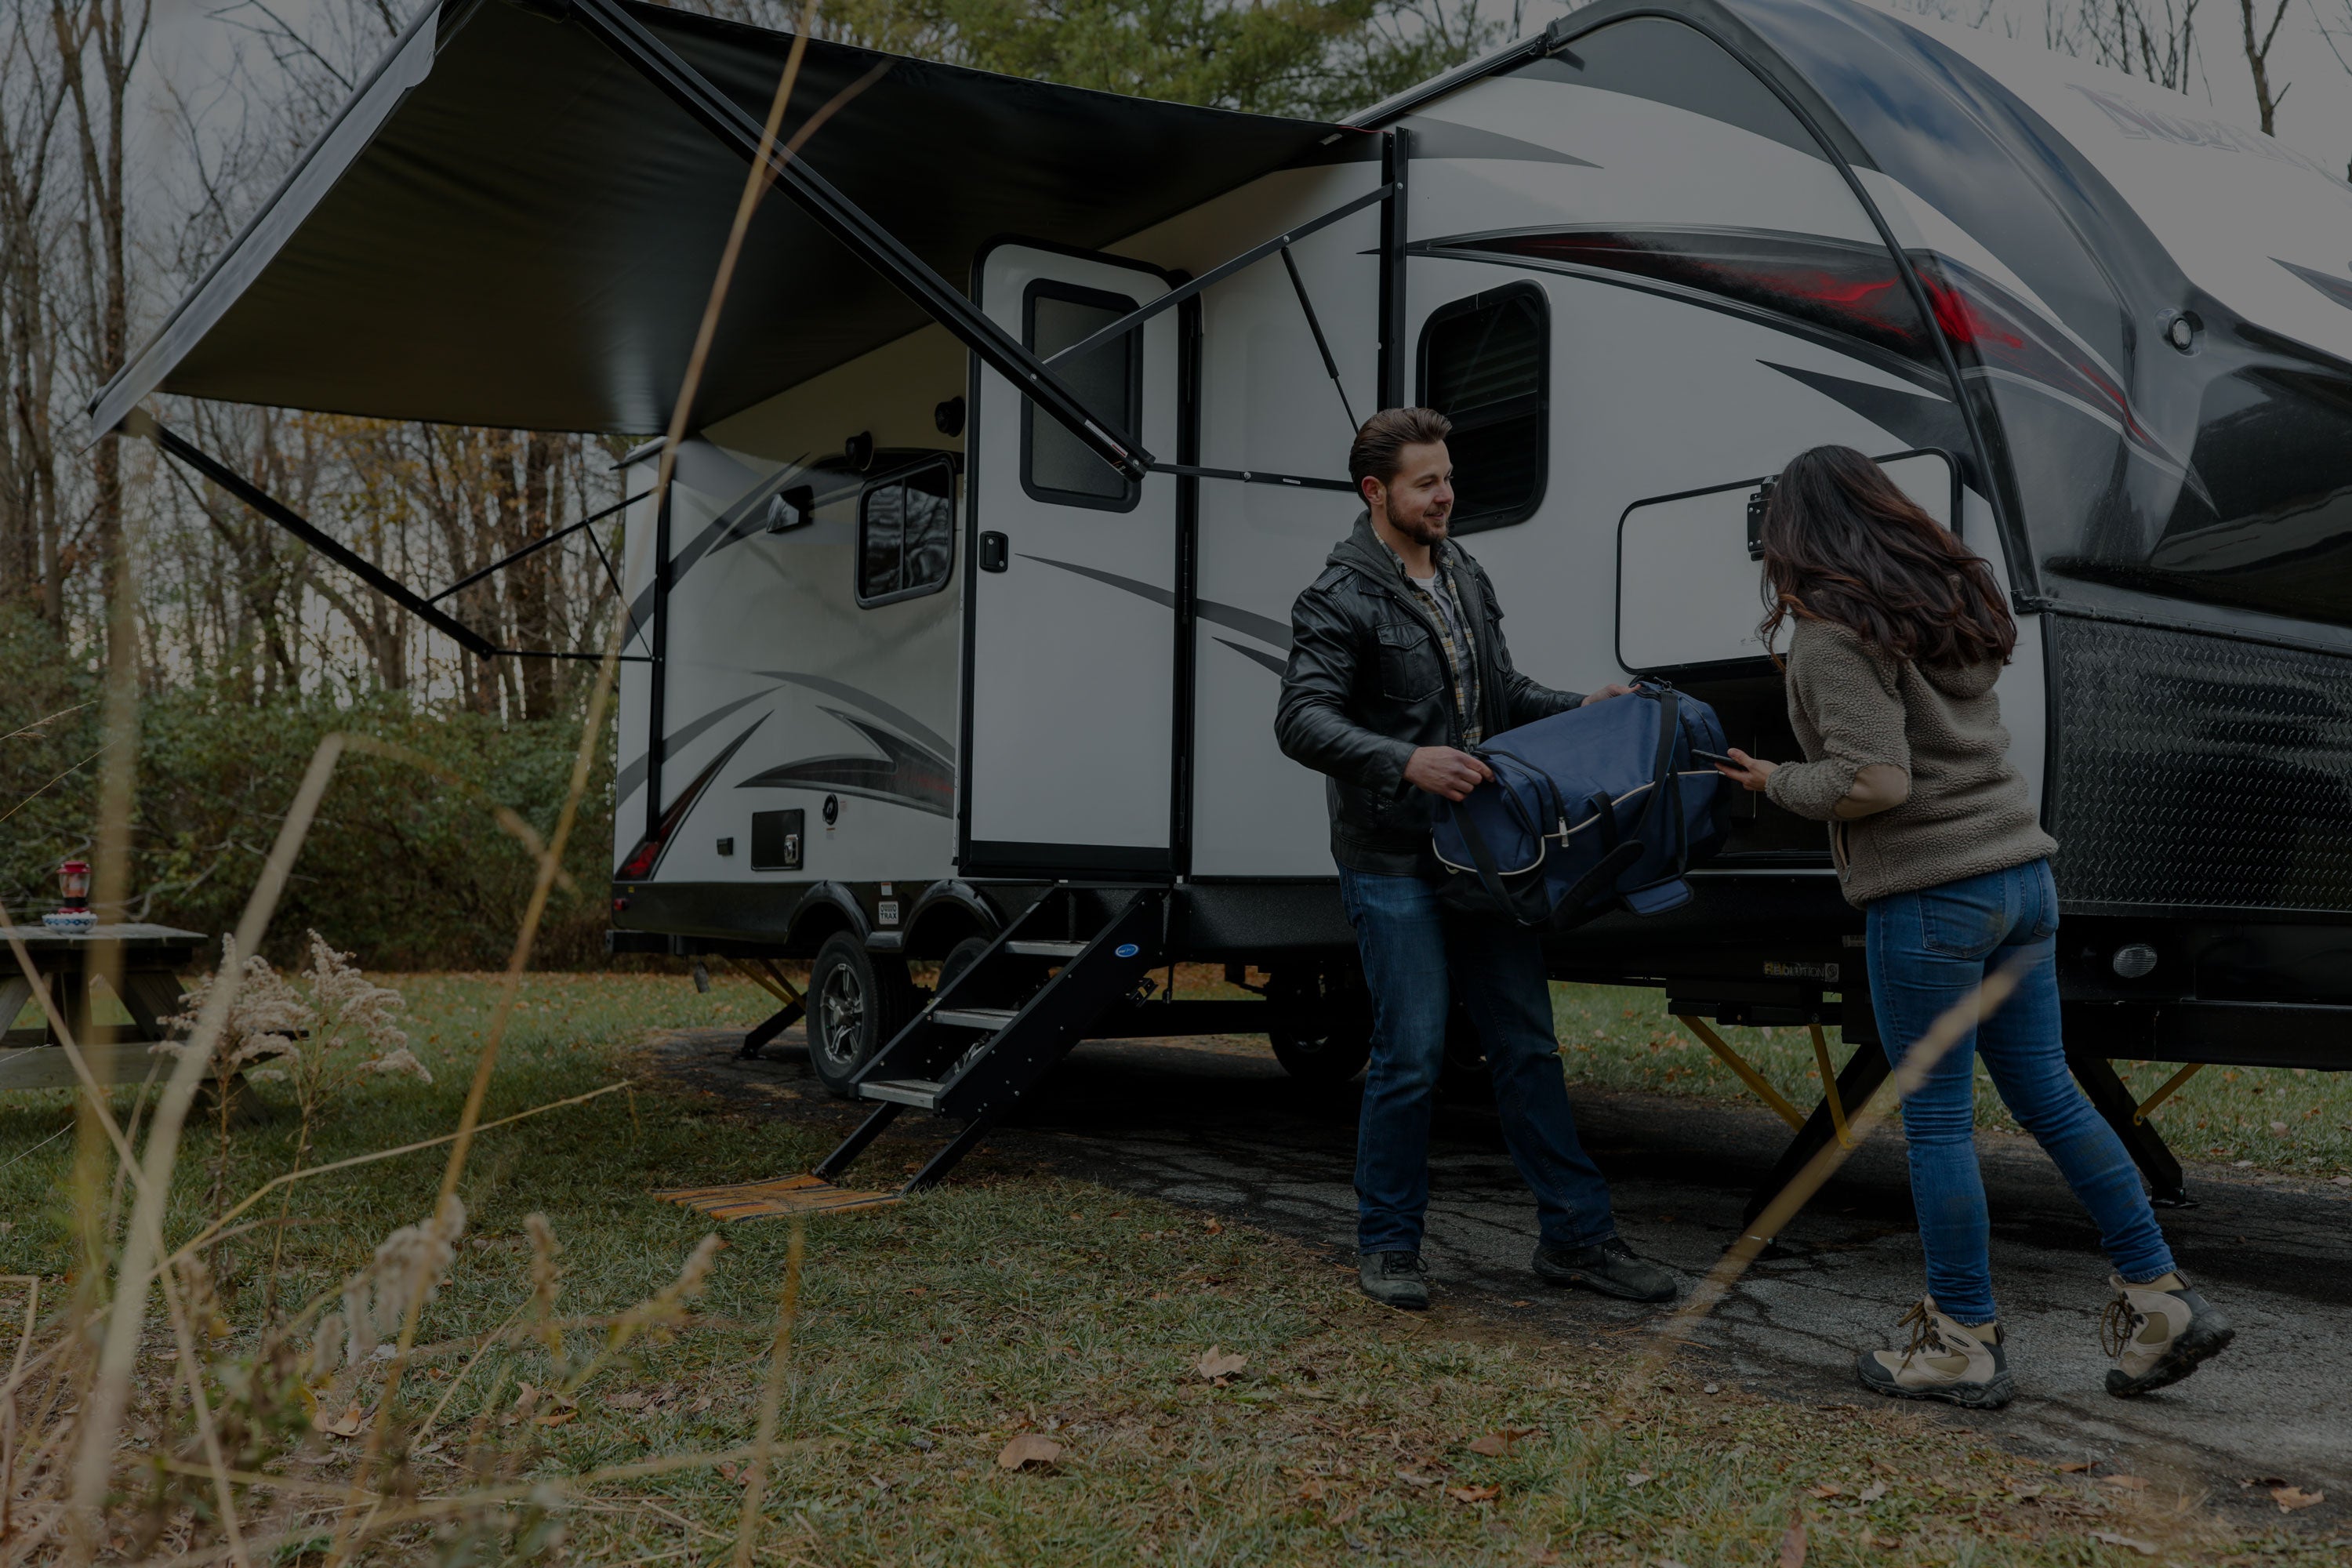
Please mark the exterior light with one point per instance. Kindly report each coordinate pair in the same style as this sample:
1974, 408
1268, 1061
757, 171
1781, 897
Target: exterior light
2134, 960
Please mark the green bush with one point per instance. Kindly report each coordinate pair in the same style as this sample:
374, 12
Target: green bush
405, 869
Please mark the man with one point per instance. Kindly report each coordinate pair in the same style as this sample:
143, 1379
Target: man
1396, 666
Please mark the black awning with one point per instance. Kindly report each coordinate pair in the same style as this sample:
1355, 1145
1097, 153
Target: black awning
509, 225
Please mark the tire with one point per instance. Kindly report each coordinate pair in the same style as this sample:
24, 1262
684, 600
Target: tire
856, 1002
1322, 1026
960, 957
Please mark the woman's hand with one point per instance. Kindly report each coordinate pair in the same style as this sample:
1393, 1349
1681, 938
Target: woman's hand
1612, 690
1753, 773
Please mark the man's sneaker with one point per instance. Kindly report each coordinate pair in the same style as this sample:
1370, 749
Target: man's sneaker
1611, 1269
1945, 1360
2158, 1332
1394, 1280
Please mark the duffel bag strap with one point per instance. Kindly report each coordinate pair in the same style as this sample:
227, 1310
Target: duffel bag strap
1512, 904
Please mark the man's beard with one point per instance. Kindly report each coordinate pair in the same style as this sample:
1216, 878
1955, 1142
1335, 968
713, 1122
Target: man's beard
1424, 528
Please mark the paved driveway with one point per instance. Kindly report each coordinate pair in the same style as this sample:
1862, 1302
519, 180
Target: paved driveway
1217, 1124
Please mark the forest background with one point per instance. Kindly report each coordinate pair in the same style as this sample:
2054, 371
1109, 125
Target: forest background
138, 136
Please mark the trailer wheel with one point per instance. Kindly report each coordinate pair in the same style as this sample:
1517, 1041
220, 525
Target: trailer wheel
1320, 1023
856, 1001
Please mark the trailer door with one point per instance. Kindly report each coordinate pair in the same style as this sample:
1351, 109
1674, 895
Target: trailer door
1070, 663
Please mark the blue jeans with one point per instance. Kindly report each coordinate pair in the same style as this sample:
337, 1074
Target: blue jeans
1415, 953
1927, 951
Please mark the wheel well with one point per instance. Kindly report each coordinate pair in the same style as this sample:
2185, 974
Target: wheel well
817, 919
943, 924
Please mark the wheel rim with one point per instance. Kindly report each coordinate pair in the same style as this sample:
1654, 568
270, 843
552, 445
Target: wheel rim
843, 1016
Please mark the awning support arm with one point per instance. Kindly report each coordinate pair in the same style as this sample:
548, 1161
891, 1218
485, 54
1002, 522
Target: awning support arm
867, 239
1251, 477
139, 421
1218, 274
1330, 365
542, 542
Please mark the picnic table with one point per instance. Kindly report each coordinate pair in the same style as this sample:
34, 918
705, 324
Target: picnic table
146, 963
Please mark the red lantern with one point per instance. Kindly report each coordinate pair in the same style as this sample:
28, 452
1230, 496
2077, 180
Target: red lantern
73, 882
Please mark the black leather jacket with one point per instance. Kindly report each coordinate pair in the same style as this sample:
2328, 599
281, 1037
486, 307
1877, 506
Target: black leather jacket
1368, 685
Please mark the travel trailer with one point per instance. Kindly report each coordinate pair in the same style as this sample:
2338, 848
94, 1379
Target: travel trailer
956, 637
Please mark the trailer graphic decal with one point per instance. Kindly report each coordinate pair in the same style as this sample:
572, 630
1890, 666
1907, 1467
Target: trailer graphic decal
905, 773
644, 858
1264, 627
1814, 286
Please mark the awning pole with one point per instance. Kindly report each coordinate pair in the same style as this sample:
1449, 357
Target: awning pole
542, 542
1396, 154
139, 421
865, 238
1218, 274
1330, 365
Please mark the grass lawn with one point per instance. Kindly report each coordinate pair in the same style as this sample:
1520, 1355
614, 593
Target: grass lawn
931, 1334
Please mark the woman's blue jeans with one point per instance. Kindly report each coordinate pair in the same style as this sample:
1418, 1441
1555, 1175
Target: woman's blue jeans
1928, 950
1415, 955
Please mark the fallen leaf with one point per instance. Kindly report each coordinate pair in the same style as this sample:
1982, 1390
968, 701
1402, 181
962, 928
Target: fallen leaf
2292, 1498
1885, 1542
1792, 1540
1710, 1388
555, 1418
1313, 1489
1215, 1364
2023, 1490
1873, 1492
1027, 1449
1409, 1478
1213, 1226
1638, 1479
350, 1424
727, 1470
2129, 1483
1495, 1444
700, 1404
2278, 1126
526, 1399
1826, 1490
2075, 1467
2144, 1548
2341, 1181
1474, 1494
635, 1399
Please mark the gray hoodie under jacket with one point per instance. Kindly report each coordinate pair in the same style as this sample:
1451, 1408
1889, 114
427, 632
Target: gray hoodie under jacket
1855, 706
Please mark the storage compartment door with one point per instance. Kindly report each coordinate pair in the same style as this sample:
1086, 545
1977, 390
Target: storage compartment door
1689, 591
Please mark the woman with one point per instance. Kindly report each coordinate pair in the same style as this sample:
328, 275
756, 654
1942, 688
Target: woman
1900, 632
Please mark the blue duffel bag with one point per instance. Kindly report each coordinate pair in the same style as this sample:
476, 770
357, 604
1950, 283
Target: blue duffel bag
1590, 810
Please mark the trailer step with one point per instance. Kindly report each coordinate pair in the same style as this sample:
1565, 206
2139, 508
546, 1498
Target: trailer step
991, 1018
921, 1093
996, 1028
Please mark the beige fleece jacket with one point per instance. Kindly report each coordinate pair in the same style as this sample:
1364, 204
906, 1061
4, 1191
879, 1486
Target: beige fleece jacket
1864, 717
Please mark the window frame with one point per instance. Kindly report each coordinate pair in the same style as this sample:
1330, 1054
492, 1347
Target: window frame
1120, 305
900, 476
1470, 304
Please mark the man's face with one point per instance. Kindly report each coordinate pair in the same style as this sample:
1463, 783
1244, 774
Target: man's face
1418, 502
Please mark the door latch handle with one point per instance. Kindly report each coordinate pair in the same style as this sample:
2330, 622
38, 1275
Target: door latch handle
995, 552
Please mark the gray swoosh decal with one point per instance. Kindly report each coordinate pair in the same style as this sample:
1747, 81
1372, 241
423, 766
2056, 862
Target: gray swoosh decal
905, 773
1252, 654
1265, 628
627, 780
1162, 597
867, 700
1241, 620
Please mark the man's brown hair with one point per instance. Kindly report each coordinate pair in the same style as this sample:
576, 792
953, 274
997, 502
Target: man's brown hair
1377, 451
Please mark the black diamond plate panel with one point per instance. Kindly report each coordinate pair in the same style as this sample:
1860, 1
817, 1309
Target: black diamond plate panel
2196, 771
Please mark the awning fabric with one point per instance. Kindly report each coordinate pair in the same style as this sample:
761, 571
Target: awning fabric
507, 225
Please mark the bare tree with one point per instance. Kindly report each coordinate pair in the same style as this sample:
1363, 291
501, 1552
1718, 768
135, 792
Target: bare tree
2258, 61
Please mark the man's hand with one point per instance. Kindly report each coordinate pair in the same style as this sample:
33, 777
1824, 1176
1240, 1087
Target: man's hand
1442, 769
1752, 775
1606, 693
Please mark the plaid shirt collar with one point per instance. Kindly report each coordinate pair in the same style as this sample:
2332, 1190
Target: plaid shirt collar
1460, 645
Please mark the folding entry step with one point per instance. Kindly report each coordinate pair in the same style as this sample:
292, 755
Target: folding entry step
989, 1034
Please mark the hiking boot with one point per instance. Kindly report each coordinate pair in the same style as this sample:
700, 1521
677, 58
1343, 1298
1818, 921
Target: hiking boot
1611, 1269
1394, 1280
1946, 1360
2158, 1332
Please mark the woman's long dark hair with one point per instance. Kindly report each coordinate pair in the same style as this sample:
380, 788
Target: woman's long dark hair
1842, 543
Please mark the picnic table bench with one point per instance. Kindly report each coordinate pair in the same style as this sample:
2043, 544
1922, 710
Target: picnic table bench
143, 964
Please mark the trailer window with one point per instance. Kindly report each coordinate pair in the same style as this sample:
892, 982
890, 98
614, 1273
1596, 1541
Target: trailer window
906, 534
1055, 466
1485, 364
